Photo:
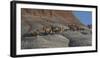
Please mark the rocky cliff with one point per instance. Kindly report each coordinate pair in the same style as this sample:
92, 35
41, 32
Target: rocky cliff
35, 19
66, 17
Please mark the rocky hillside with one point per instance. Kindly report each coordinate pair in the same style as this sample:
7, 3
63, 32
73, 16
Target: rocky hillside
52, 28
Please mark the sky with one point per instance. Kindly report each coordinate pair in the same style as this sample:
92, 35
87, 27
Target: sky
84, 16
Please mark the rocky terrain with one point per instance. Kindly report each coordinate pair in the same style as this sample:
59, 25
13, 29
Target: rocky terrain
52, 29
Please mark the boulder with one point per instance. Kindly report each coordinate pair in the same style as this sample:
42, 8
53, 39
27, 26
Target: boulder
48, 41
78, 39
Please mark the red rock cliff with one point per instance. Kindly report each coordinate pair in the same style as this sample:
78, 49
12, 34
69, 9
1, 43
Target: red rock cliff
67, 16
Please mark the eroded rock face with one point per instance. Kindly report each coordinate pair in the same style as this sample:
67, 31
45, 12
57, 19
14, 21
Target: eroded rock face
66, 17
33, 19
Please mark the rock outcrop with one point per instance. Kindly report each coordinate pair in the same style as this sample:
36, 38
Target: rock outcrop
68, 31
48, 41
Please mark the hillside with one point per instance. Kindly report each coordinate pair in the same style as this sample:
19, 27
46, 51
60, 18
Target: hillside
52, 28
